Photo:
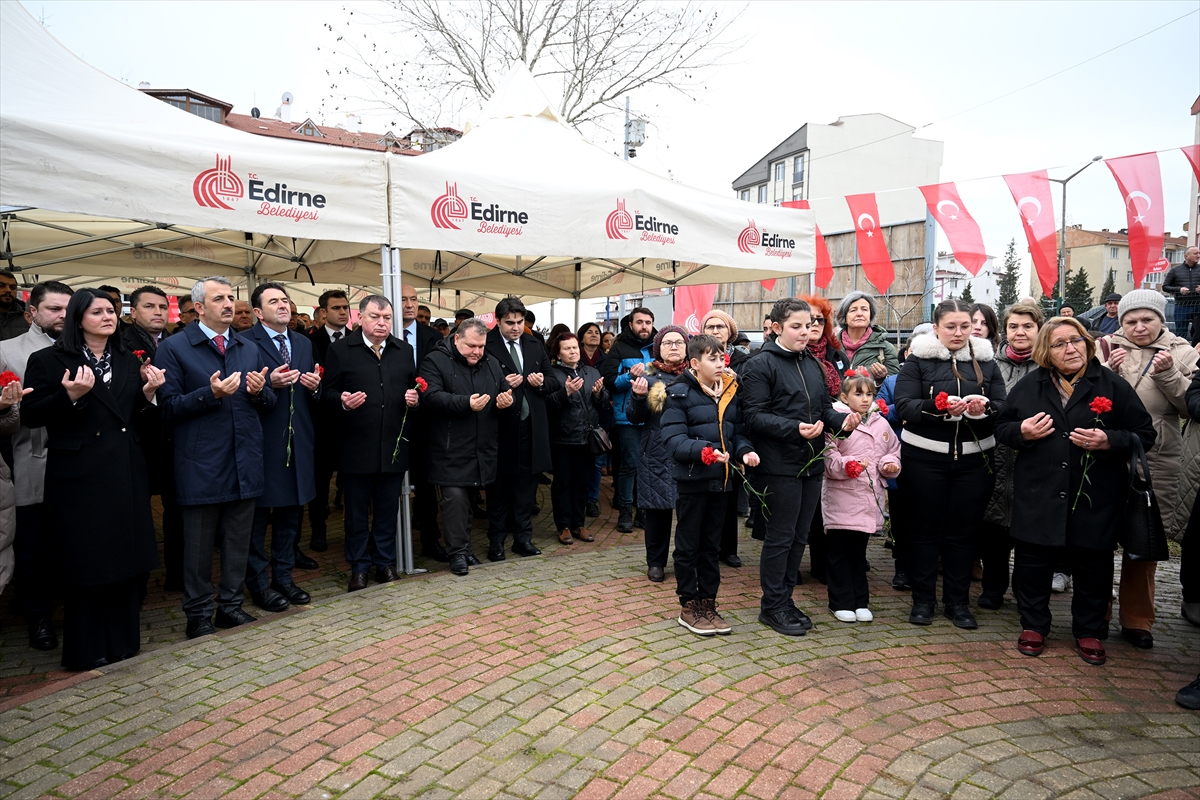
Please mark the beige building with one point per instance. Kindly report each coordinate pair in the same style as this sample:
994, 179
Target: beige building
1100, 251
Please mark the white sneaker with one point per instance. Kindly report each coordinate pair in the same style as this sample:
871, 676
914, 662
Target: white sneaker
846, 616
1060, 583
863, 615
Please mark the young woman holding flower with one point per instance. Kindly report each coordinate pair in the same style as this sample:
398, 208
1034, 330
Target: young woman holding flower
1057, 419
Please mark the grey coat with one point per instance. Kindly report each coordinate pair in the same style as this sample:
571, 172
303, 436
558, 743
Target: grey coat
999, 509
9, 421
29, 445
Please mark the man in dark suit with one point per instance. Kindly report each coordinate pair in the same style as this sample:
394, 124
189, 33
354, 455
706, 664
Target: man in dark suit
423, 339
288, 440
524, 435
369, 383
337, 316
149, 307
215, 392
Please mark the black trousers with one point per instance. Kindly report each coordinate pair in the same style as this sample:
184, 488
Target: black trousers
573, 468
791, 502
847, 581
372, 504
658, 535
818, 546
950, 497
901, 533
230, 523
1033, 569
102, 622
425, 510
285, 537
172, 525
511, 498
994, 546
729, 525
456, 518
32, 575
318, 507
1189, 561
698, 543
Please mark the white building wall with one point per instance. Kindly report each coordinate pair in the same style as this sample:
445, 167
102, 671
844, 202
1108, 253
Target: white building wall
951, 279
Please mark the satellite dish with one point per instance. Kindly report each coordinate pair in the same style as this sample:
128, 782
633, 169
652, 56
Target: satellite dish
287, 98
254, 112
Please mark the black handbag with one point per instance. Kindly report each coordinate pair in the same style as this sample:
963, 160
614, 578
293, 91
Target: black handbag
1143, 537
599, 441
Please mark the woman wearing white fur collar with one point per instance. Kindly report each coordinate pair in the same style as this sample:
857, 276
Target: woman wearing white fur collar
947, 394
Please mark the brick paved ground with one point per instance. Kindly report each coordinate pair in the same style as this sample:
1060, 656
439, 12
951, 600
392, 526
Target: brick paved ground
565, 675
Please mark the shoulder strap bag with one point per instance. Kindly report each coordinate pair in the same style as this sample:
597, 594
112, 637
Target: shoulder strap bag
1143, 536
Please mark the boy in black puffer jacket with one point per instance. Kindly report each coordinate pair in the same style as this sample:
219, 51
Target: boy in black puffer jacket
702, 430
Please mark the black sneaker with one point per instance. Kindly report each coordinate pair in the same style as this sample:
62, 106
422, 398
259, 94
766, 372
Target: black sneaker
990, 601
961, 616
625, 521
802, 618
921, 614
782, 622
1189, 696
900, 581
592, 510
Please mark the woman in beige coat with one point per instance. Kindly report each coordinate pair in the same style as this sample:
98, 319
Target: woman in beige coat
1159, 365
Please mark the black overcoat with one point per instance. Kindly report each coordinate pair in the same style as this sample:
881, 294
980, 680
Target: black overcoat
97, 490
1048, 472
535, 358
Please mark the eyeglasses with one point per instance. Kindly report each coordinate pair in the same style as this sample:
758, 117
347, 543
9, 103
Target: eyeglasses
1074, 342
672, 343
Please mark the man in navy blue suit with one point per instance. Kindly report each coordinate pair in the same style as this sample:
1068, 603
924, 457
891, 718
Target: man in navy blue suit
288, 445
216, 389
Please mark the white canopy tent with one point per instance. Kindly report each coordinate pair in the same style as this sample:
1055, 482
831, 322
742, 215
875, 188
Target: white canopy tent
523, 204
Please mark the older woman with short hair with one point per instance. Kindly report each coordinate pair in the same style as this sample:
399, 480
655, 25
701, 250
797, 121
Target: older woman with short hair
1054, 422
863, 341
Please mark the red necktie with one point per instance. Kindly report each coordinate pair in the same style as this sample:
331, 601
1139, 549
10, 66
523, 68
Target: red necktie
219, 341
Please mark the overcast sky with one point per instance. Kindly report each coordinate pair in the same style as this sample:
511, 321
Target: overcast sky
916, 62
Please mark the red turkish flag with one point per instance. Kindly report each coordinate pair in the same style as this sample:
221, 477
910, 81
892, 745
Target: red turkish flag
1140, 182
872, 249
824, 274
960, 228
1031, 191
1192, 151
691, 304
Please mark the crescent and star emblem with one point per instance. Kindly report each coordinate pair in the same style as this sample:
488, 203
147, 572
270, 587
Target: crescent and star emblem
1141, 214
870, 232
954, 214
1036, 204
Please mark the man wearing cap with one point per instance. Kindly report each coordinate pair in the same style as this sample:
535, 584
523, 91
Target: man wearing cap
1111, 321
1183, 281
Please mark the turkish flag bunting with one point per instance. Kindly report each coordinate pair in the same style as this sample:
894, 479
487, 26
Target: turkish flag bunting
872, 249
1140, 182
1031, 191
1192, 151
824, 275
691, 304
960, 228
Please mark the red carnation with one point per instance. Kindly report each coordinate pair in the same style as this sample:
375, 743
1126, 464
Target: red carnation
853, 469
7, 377
422, 384
883, 406
850, 373
320, 371
1100, 405
708, 456
942, 401
727, 359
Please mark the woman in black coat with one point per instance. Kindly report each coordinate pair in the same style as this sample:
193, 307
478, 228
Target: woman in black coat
574, 410
946, 451
91, 394
1049, 420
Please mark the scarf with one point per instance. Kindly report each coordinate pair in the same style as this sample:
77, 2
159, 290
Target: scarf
669, 369
833, 381
591, 362
1066, 383
1017, 356
102, 366
852, 347
713, 392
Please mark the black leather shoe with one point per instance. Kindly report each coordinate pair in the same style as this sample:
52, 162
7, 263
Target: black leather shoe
358, 580
270, 600
435, 551
921, 614
900, 581
656, 574
472, 561
526, 549
458, 565
303, 561
1138, 637
232, 619
961, 616
990, 601
496, 552
592, 510
200, 626
386, 575
42, 635
294, 594
801, 618
317, 542
733, 560
782, 622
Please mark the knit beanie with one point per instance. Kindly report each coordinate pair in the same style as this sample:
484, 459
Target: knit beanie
1143, 298
728, 320
656, 352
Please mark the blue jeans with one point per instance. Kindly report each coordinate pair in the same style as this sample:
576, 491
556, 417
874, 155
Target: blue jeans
631, 449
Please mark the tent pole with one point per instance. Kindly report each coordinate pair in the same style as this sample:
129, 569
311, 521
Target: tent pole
578, 280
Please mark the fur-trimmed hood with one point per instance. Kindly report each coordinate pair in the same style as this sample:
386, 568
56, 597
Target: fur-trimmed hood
657, 397
927, 345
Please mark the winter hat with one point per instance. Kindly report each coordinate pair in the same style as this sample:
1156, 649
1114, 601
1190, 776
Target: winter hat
656, 352
1143, 298
728, 320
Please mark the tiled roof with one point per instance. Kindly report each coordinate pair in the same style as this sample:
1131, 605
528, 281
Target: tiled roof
337, 137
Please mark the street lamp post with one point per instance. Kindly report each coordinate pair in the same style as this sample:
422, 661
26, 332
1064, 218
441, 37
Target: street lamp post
1062, 244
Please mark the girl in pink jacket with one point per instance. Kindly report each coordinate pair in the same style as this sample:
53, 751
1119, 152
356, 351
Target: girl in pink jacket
852, 496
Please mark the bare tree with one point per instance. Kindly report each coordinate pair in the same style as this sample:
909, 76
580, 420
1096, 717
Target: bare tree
429, 59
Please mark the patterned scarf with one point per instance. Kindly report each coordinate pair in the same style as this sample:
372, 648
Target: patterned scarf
833, 381
1017, 356
1066, 383
101, 366
669, 369
852, 347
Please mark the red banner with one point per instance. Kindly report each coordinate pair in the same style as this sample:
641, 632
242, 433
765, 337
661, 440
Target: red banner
1140, 182
1031, 191
872, 249
1192, 151
960, 228
691, 304
824, 274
